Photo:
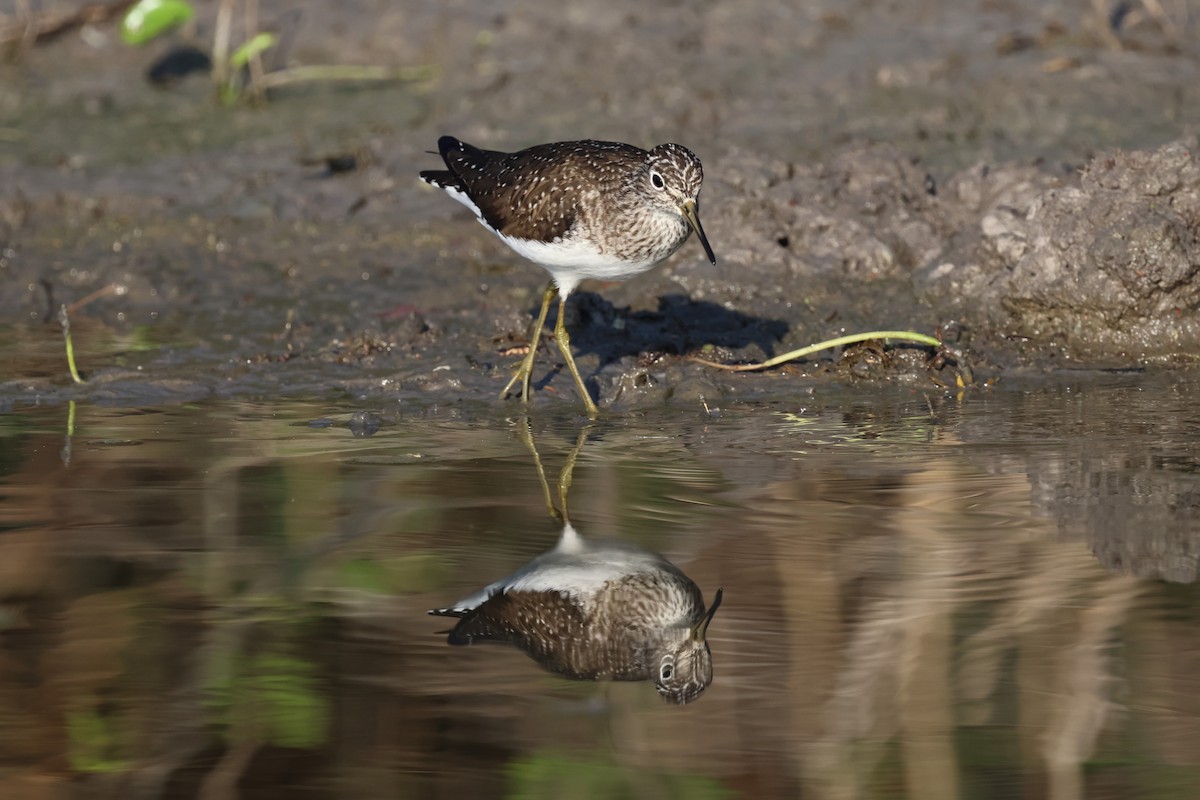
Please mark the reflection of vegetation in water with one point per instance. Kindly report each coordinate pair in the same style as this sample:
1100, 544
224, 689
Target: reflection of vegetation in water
260, 686
86, 682
416, 572
941, 636
14, 433
274, 698
551, 775
93, 741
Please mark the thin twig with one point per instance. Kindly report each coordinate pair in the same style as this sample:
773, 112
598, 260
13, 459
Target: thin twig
1172, 31
29, 36
221, 37
96, 295
32, 26
344, 72
825, 345
255, 64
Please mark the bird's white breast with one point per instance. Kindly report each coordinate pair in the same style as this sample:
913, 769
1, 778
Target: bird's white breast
570, 260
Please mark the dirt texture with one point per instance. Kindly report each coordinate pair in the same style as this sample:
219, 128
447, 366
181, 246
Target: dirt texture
1022, 176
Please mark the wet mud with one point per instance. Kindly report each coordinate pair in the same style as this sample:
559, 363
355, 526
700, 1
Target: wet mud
1022, 177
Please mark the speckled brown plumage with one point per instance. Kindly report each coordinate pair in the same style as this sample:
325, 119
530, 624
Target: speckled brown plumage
613, 639
604, 209
585, 209
606, 611
538, 193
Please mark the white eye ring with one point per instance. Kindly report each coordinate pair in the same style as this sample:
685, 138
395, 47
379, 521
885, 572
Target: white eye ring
657, 180
666, 671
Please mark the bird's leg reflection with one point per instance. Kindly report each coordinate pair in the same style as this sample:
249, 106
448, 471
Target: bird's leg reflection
558, 512
602, 610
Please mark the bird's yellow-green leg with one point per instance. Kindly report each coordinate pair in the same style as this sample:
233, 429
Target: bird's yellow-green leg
564, 345
524, 373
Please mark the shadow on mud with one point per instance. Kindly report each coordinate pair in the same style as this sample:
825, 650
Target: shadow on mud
680, 325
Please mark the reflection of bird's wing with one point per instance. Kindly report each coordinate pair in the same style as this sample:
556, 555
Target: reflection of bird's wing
521, 618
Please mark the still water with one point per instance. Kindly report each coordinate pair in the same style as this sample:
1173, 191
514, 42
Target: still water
925, 596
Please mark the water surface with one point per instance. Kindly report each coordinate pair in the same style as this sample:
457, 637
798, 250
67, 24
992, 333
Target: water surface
985, 596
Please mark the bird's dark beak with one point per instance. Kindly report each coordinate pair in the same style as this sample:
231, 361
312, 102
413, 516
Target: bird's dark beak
693, 217
701, 629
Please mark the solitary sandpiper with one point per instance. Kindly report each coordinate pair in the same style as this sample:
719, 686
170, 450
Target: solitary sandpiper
596, 610
581, 210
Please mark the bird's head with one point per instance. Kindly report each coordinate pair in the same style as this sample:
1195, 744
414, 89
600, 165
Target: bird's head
684, 666
671, 178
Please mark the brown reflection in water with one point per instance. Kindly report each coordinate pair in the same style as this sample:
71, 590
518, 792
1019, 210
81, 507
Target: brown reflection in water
595, 610
905, 630
902, 637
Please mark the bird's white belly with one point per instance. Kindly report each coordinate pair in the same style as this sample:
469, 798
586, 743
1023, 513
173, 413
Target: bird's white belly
571, 259
573, 567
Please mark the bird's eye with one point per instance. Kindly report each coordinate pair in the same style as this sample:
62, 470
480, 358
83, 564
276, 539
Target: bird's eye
657, 180
666, 672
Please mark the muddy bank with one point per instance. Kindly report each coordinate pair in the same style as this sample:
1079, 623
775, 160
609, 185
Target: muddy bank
1098, 265
1025, 177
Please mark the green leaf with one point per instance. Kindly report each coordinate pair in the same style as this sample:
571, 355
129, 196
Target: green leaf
150, 19
250, 49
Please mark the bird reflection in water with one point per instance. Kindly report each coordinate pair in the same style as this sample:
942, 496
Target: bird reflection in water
602, 610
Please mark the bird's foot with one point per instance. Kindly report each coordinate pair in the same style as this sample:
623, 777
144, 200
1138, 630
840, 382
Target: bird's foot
522, 375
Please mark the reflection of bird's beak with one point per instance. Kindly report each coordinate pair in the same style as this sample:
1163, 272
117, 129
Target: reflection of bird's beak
693, 217
701, 629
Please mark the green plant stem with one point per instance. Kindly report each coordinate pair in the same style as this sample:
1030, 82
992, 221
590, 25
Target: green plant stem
255, 65
221, 38
825, 345
65, 320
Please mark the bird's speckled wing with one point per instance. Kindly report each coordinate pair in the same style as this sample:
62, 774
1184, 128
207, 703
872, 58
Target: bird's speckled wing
518, 617
531, 194
555, 632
